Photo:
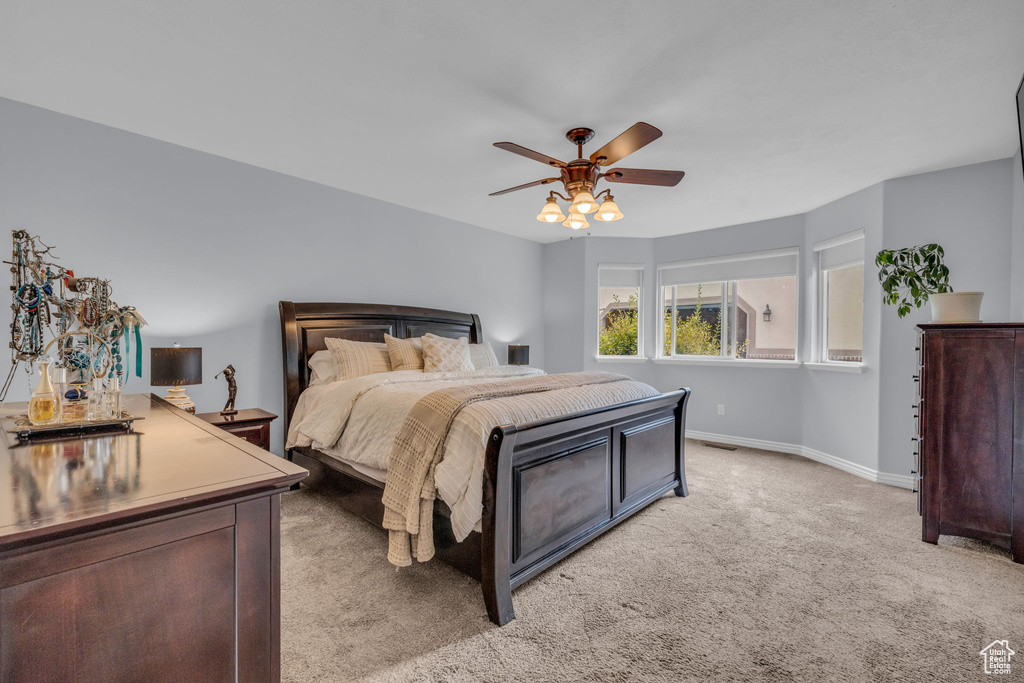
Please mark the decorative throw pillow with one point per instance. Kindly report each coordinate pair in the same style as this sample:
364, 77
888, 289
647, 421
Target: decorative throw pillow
322, 367
482, 356
441, 354
405, 354
356, 359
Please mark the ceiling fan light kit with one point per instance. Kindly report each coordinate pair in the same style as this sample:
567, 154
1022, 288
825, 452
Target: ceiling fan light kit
576, 221
551, 213
609, 210
580, 176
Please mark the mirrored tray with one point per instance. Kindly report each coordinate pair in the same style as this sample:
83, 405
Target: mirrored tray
25, 430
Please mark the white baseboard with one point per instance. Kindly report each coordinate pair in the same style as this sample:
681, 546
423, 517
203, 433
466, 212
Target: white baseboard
902, 481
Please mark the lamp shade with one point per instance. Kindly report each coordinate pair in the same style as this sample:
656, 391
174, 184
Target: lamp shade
518, 354
175, 366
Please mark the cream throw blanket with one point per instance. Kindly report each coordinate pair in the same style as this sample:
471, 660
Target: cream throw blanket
409, 492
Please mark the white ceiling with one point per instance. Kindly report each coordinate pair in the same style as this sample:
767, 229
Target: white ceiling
772, 108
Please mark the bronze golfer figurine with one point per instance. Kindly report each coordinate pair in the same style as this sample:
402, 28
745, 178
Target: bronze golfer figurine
229, 375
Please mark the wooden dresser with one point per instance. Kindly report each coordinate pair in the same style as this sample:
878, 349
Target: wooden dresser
970, 433
251, 424
149, 556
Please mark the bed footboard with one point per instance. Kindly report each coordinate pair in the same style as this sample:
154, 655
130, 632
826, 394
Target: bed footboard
552, 486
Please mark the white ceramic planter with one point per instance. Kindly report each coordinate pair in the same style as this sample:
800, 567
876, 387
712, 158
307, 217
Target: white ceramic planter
956, 307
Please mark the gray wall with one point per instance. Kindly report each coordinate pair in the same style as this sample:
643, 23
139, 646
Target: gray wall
1017, 242
563, 305
966, 210
840, 410
864, 418
762, 403
206, 247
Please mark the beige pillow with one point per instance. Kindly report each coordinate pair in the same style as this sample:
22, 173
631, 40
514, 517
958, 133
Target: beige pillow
356, 359
405, 354
482, 356
441, 354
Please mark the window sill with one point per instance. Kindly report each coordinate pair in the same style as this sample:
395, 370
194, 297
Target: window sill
620, 359
732, 362
855, 368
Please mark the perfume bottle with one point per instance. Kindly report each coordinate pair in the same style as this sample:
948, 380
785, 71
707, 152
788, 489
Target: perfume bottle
75, 406
96, 402
112, 400
61, 387
42, 408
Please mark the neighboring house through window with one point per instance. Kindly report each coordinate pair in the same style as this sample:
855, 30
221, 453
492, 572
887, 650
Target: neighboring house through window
619, 316
742, 306
840, 332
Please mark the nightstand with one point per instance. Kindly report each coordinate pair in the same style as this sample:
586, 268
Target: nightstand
252, 424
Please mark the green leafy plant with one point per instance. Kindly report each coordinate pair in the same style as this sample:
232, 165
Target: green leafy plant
909, 276
618, 338
695, 336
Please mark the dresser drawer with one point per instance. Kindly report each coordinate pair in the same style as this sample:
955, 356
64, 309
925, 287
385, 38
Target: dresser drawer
257, 435
250, 424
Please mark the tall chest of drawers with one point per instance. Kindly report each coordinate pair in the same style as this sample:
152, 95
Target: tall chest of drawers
969, 460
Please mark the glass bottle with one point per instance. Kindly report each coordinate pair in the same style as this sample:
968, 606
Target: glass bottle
112, 400
42, 408
61, 387
96, 402
75, 406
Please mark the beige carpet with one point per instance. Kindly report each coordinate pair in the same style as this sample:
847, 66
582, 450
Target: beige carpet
775, 568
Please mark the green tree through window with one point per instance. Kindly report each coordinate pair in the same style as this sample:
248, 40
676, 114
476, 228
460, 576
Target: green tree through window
695, 336
619, 335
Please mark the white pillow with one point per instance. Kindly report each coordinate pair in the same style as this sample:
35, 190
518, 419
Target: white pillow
356, 359
323, 368
482, 356
405, 354
442, 354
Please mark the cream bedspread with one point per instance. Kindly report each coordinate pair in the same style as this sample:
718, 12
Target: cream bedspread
358, 420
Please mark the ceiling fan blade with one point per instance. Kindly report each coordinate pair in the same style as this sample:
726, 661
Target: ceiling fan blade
644, 176
633, 138
523, 187
529, 153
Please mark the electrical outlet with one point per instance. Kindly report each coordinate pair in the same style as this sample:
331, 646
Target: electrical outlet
721, 409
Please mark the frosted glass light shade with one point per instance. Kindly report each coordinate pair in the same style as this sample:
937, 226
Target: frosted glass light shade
576, 221
609, 211
551, 213
583, 202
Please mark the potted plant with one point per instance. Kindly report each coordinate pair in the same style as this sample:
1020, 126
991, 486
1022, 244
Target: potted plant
914, 275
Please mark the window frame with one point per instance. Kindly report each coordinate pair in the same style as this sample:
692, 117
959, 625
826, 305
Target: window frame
640, 318
729, 291
820, 357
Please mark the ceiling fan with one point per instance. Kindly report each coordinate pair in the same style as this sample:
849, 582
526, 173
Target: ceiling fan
579, 177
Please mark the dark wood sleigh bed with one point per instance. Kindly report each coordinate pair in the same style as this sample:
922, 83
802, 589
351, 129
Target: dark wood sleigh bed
549, 487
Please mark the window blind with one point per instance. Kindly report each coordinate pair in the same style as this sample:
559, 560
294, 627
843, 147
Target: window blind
844, 250
619, 275
759, 264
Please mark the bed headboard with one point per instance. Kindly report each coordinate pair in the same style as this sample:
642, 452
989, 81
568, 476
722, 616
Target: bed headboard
304, 326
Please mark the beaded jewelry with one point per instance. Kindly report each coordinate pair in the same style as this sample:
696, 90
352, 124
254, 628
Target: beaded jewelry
89, 325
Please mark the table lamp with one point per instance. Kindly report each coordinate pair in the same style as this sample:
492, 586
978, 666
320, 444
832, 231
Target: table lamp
176, 367
518, 354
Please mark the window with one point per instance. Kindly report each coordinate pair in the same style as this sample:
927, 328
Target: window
841, 298
741, 306
619, 324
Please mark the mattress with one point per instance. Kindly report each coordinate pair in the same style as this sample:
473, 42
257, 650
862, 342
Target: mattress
356, 422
